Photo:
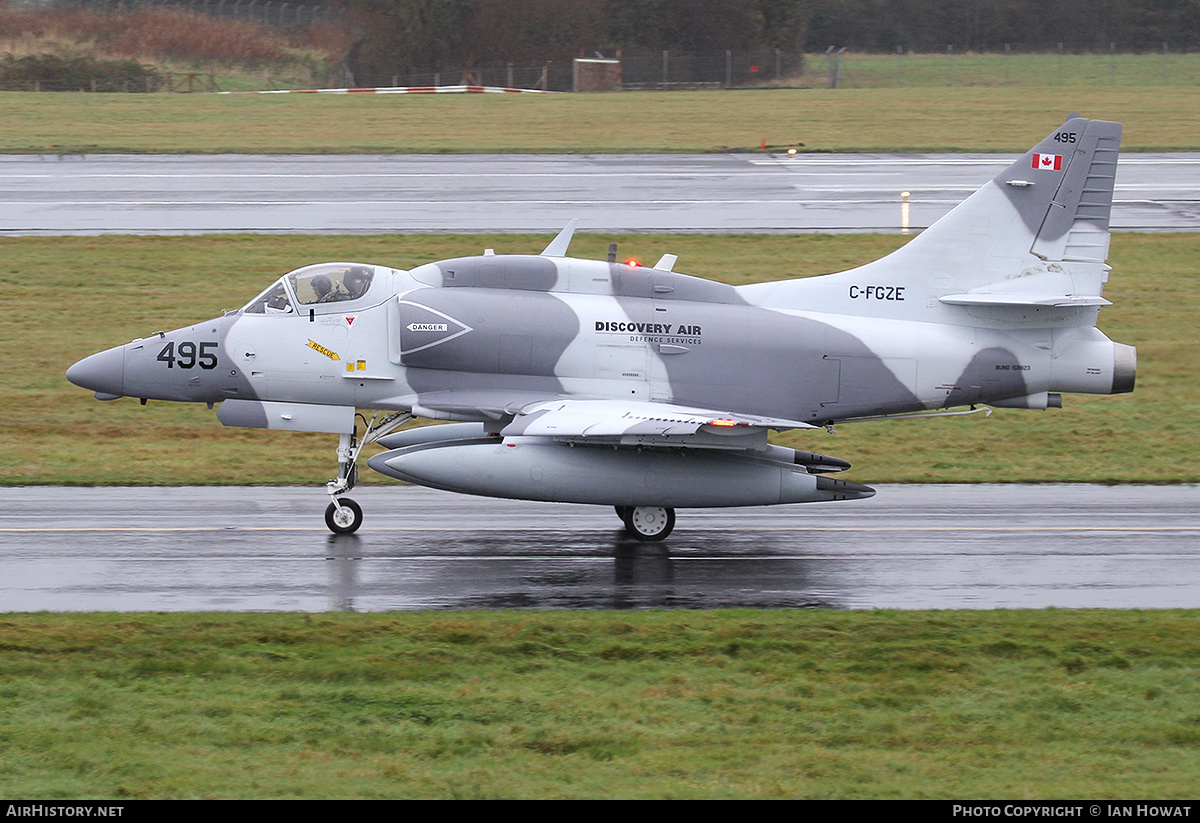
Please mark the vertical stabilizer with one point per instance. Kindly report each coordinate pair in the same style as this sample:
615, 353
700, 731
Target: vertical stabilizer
1052, 204
1036, 233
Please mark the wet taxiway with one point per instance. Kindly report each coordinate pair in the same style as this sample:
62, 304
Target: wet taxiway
266, 549
745, 192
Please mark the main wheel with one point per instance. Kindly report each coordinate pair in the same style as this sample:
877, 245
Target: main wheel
344, 516
623, 512
649, 522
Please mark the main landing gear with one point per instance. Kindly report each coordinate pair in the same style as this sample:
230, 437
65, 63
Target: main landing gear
343, 515
647, 522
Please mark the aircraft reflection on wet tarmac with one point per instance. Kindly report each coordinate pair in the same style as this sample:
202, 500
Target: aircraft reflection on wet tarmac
514, 570
262, 549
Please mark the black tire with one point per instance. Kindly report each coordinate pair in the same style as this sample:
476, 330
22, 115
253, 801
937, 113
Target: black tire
338, 522
649, 523
623, 512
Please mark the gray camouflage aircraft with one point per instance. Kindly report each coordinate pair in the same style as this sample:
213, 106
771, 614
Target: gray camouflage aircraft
590, 381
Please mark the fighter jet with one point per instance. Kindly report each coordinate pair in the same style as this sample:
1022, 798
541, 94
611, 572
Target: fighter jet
636, 387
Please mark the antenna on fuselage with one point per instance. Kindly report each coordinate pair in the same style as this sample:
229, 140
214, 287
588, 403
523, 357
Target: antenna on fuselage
558, 246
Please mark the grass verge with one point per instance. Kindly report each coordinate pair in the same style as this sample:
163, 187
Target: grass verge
730, 704
1110, 70
90, 293
909, 119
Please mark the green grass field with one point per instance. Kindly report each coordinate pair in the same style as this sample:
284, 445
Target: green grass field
908, 119
726, 704
973, 69
92, 293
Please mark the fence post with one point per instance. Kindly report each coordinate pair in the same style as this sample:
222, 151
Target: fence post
778, 67
1007, 63
664, 69
1164, 62
728, 68
1112, 63
949, 64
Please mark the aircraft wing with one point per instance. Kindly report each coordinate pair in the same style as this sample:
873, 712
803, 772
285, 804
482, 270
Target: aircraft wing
640, 423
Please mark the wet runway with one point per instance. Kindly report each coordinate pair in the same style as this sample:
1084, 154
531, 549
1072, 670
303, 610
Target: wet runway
751, 192
266, 549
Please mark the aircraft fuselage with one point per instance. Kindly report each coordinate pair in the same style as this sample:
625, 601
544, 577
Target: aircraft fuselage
459, 336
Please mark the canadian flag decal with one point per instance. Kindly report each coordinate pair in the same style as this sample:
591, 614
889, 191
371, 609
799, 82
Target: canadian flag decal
1047, 161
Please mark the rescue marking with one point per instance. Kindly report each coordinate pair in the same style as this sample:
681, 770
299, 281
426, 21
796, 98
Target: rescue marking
332, 355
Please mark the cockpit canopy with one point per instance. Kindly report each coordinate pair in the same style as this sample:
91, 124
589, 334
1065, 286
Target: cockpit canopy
312, 286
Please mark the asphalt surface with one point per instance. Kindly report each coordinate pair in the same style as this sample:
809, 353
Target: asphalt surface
750, 192
267, 549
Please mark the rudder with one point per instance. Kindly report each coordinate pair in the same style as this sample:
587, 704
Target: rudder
1076, 222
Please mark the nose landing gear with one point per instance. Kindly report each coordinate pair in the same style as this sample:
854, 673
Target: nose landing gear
343, 515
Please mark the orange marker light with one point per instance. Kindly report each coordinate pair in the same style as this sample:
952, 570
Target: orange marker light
632, 262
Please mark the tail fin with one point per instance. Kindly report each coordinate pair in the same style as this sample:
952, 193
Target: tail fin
1036, 234
1053, 204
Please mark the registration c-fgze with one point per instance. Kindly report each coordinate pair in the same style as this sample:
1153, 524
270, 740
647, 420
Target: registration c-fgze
589, 381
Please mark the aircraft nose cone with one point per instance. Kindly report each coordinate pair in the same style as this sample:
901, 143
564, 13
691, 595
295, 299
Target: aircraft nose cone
103, 372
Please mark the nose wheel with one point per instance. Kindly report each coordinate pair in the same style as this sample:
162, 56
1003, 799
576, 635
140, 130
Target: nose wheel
647, 522
343, 516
